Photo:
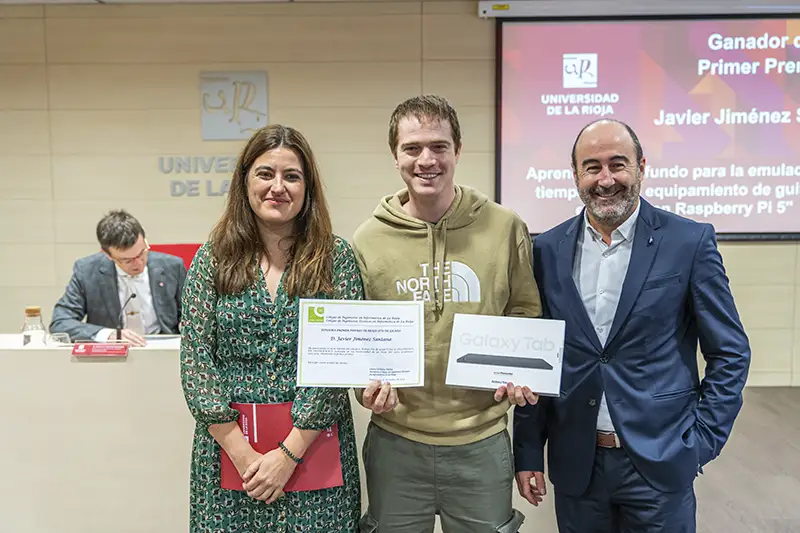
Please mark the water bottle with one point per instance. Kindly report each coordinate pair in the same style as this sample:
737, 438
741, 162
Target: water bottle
33, 332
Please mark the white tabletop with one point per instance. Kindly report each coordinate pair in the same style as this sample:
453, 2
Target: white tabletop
13, 341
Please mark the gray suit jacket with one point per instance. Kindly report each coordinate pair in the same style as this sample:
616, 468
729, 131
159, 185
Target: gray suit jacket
92, 294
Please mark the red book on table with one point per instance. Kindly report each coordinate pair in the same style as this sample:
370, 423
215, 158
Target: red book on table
263, 426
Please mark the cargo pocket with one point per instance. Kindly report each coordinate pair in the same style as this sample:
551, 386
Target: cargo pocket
512, 525
367, 524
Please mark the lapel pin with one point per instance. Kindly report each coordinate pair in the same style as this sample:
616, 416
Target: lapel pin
161, 283
649, 241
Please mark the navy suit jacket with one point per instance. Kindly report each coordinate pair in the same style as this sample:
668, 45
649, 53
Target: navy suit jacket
670, 423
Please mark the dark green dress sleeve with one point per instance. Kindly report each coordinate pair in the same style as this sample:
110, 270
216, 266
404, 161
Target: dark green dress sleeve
204, 390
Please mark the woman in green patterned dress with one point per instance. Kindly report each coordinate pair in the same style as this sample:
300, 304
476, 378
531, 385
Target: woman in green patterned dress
273, 244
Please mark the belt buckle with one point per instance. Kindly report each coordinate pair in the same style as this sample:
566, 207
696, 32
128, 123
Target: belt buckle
613, 434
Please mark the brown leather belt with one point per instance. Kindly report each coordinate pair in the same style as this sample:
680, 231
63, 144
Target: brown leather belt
608, 440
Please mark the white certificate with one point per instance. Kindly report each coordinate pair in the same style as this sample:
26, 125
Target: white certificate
489, 351
348, 343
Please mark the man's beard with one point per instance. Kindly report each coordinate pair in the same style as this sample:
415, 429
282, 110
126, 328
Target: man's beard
611, 214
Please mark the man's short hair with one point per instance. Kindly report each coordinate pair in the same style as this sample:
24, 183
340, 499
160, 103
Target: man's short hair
426, 107
118, 229
637, 146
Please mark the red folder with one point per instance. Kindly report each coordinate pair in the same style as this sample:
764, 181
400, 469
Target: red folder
263, 426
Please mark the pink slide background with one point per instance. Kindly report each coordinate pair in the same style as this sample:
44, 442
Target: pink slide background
742, 177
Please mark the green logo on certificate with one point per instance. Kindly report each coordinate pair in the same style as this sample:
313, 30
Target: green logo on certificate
316, 314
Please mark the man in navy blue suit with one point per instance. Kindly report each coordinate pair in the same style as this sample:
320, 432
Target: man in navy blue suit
638, 288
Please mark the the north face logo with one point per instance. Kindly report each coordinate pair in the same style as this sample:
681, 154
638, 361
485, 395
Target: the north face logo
459, 283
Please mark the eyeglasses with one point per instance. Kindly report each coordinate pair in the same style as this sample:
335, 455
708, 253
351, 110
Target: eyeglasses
130, 260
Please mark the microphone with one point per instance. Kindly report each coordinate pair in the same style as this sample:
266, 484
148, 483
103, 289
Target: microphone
121, 322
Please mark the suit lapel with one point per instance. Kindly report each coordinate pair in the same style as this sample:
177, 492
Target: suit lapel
156, 275
645, 245
567, 248
110, 290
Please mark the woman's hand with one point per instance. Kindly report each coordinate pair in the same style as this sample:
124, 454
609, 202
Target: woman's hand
266, 476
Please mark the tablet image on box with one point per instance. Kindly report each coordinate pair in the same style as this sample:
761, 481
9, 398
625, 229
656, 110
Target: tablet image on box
505, 360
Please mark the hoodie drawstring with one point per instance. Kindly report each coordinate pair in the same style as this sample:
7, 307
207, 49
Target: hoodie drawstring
431, 264
440, 302
437, 279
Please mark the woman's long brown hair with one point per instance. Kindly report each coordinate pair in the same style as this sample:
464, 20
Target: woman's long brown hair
235, 240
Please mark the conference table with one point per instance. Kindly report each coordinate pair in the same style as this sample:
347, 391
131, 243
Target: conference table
103, 444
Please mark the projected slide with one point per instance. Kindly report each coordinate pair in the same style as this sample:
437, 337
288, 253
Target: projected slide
716, 104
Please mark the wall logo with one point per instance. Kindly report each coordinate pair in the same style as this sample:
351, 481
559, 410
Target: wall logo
580, 71
460, 283
316, 315
233, 105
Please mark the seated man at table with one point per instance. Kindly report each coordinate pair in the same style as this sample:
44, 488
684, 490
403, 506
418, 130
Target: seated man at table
125, 287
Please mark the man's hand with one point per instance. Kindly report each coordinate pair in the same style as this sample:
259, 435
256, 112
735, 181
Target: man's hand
380, 398
533, 492
131, 336
516, 395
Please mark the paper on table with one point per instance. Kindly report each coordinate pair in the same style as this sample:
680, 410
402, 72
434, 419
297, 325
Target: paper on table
166, 342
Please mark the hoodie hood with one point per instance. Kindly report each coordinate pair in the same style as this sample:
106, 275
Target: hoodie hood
464, 210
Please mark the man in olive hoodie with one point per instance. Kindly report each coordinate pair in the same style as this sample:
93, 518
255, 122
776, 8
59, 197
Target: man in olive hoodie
439, 449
